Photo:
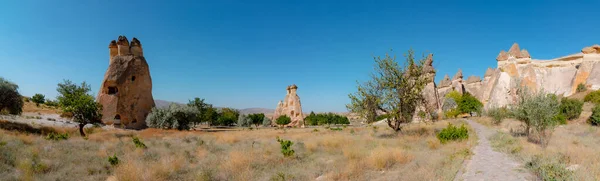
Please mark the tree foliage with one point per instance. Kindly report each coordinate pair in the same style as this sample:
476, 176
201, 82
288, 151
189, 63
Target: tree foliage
180, 117
227, 116
469, 104
538, 111
11, 100
595, 118
38, 99
244, 121
393, 89
75, 99
283, 120
208, 114
325, 118
257, 118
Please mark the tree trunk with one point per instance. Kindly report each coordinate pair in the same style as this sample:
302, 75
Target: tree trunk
81, 125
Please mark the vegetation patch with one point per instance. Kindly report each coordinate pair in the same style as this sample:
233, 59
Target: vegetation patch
453, 133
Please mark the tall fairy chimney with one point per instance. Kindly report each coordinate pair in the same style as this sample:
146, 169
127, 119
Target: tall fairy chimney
123, 45
113, 50
136, 47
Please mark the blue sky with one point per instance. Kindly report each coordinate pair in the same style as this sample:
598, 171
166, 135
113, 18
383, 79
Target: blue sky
243, 54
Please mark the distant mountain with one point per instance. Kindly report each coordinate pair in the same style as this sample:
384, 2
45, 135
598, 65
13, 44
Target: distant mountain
163, 103
256, 110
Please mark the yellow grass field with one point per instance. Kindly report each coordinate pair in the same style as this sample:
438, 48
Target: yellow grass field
353, 153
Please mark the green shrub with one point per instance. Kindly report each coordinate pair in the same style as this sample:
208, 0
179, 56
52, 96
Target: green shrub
38, 99
452, 113
571, 108
57, 136
550, 168
497, 114
283, 120
113, 160
11, 101
560, 118
325, 118
175, 116
422, 114
138, 143
381, 117
51, 103
595, 118
244, 121
257, 118
266, 122
286, 147
581, 87
469, 104
453, 133
538, 112
593, 97
227, 116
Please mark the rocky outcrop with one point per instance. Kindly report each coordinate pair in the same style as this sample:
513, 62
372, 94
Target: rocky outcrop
457, 82
126, 90
291, 107
430, 90
591, 49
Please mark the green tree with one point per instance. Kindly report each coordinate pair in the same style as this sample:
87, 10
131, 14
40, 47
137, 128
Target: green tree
176, 116
244, 121
538, 111
208, 114
283, 120
469, 104
11, 100
311, 119
38, 99
266, 122
228, 116
83, 106
68, 93
257, 118
397, 90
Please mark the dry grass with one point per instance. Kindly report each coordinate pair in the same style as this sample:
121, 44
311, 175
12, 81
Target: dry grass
43, 109
361, 153
570, 145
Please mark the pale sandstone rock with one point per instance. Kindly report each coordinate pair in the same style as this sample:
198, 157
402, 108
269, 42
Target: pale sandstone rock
525, 54
502, 56
291, 107
515, 51
488, 72
430, 90
473, 79
591, 49
458, 75
126, 91
446, 82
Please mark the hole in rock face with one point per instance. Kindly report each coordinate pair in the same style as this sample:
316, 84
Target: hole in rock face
132, 78
112, 90
134, 121
118, 117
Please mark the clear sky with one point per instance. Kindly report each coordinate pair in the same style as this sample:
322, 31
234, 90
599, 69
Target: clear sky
243, 54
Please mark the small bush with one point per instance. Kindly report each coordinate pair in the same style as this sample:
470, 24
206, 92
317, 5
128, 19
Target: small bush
244, 121
51, 103
593, 97
286, 147
571, 108
138, 143
497, 114
452, 113
581, 88
595, 118
283, 120
38, 99
550, 168
266, 122
57, 136
453, 133
335, 129
113, 160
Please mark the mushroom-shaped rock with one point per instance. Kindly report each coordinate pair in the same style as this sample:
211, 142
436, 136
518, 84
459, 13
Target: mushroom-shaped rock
428, 66
502, 56
136, 47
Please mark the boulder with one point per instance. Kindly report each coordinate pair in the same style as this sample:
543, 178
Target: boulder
591, 49
126, 90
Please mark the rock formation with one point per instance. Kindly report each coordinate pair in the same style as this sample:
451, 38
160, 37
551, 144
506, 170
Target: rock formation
126, 91
559, 76
430, 90
291, 107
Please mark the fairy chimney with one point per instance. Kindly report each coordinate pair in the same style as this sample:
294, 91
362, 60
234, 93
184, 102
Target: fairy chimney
291, 107
126, 90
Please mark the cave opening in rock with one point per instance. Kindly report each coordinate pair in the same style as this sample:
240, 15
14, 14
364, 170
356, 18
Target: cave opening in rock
117, 117
112, 90
132, 78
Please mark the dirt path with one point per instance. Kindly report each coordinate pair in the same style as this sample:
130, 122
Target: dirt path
487, 164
